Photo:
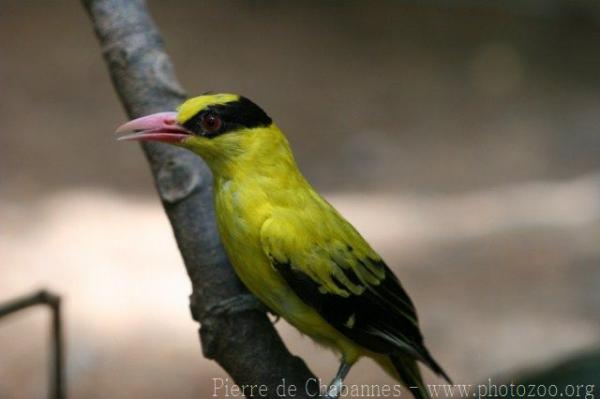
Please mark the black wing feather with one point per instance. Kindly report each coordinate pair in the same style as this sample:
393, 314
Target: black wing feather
383, 308
384, 319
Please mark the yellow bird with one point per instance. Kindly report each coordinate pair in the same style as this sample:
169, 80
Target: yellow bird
288, 245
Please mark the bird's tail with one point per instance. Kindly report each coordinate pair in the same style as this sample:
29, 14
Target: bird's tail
409, 374
405, 369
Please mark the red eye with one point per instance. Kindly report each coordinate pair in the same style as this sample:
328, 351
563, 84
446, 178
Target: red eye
211, 123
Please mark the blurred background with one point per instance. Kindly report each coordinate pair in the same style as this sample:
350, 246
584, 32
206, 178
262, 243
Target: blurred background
461, 138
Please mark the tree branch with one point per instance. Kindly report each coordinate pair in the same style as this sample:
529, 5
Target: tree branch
233, 330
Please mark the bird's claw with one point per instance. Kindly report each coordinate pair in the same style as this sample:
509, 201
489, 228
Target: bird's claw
335, 388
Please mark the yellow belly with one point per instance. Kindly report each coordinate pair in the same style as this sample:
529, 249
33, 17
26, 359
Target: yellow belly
241, 239
264, 282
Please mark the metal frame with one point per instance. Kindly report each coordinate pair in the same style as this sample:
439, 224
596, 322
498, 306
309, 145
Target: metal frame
57, 381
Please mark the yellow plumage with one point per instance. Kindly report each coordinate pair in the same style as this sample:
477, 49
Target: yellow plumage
276, 214
189, 108
292, 249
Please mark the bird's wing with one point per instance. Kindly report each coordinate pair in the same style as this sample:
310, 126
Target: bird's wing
332, 268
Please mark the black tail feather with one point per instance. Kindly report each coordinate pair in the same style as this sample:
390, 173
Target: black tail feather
435, 367
409, 373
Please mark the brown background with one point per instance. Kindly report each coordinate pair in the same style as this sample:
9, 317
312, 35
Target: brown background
462, 140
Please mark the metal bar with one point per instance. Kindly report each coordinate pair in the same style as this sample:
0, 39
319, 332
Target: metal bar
57, 389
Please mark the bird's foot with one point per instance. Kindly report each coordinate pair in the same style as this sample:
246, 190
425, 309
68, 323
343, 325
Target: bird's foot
233, 305
335, 388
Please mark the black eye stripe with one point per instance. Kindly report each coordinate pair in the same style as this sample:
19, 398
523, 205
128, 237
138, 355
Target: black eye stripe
234, 115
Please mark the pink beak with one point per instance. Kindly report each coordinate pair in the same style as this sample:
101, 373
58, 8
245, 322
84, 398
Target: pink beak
162, 127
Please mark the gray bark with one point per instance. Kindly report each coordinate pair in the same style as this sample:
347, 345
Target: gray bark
235, 331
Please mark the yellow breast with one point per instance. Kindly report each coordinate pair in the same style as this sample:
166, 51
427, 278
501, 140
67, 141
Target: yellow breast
241, 210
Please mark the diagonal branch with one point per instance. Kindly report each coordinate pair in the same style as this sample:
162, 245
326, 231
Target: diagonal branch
234, 330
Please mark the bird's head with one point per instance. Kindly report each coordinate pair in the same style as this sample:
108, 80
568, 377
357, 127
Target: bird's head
215, 126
